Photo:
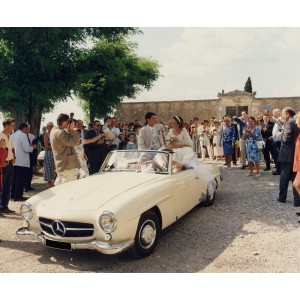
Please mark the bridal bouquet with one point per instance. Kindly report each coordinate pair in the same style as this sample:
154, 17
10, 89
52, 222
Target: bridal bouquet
170, 139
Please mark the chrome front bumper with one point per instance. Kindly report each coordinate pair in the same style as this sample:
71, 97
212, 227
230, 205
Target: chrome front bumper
102, 247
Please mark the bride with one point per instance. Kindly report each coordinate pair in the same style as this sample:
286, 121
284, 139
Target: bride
182, 144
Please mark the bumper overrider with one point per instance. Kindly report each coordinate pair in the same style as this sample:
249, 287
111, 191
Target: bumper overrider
102, 247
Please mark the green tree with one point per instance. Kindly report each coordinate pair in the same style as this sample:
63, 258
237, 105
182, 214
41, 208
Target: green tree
248, 86
38, 67
110, 72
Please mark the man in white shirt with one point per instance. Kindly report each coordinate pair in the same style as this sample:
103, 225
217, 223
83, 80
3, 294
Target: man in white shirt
22, 162
116, 131
277, 119
7, 171
148, 136
83, 131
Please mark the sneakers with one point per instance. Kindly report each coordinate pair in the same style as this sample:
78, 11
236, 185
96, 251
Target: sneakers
249, 174
257, 175
243, 167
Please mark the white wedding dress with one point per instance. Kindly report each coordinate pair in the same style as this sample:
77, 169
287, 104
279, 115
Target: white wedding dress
189, 159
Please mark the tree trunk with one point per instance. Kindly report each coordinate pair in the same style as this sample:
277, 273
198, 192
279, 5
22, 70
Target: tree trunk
34, 120
18, 116
92, 111
34, 117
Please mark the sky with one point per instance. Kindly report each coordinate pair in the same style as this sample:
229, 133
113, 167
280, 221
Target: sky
198, 63
201, 50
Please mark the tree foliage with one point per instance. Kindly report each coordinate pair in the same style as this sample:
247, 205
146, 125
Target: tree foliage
248, 86
38, 67
110, 72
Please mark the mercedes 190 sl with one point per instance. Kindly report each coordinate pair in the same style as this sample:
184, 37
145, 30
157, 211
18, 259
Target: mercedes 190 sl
124, 207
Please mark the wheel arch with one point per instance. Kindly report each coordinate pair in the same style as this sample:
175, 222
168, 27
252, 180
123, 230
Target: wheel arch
156, 210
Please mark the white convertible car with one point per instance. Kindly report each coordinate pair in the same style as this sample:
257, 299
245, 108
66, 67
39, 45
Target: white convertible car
124, 207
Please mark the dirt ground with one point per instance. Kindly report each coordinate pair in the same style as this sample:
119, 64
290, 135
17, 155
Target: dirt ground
245, 231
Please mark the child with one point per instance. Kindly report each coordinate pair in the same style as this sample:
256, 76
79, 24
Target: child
131, 144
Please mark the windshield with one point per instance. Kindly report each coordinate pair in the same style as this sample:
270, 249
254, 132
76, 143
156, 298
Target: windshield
137, 161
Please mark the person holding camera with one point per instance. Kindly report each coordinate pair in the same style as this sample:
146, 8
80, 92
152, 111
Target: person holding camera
63, 140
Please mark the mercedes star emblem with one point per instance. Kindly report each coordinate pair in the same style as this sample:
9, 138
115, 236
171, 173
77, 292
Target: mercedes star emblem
58, 228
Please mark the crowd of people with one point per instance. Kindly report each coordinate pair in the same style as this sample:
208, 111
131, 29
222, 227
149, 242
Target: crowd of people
74, 151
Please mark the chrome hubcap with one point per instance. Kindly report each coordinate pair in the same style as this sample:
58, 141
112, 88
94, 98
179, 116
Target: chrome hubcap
148, 234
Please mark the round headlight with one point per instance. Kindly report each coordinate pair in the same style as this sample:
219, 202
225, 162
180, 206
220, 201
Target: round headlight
108, 221
26, 211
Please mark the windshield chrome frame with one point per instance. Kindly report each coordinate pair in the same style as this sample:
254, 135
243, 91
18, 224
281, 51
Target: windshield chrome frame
170, 154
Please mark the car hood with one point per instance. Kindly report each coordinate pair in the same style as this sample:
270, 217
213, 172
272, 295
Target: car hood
94, 191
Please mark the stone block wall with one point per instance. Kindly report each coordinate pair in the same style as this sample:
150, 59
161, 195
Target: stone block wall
187, 109
280, 103
164, 110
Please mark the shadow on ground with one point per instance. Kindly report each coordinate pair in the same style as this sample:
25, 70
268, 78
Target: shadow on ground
194, 241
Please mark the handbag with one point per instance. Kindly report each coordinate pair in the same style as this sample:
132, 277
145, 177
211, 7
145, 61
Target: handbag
260, 145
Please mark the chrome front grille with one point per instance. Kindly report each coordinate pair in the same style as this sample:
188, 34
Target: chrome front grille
66, 228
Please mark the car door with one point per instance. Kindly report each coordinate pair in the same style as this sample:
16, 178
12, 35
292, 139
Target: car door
187, 191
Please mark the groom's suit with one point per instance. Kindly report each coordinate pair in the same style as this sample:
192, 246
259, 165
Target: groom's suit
148, 139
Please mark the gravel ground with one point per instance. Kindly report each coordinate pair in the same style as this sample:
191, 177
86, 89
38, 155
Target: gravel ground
245, 231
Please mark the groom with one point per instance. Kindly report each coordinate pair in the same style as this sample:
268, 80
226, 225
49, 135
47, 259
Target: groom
148, 136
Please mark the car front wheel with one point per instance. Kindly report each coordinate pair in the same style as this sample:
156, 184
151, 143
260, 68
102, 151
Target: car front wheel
147, 235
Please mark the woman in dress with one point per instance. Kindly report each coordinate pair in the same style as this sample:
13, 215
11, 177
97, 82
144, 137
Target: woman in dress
252, 134
216, 132
83, 171
180, 141
228, 141
49, 166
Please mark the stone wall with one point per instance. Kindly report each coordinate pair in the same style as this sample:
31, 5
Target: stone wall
203, 109
279, 102
166, 109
